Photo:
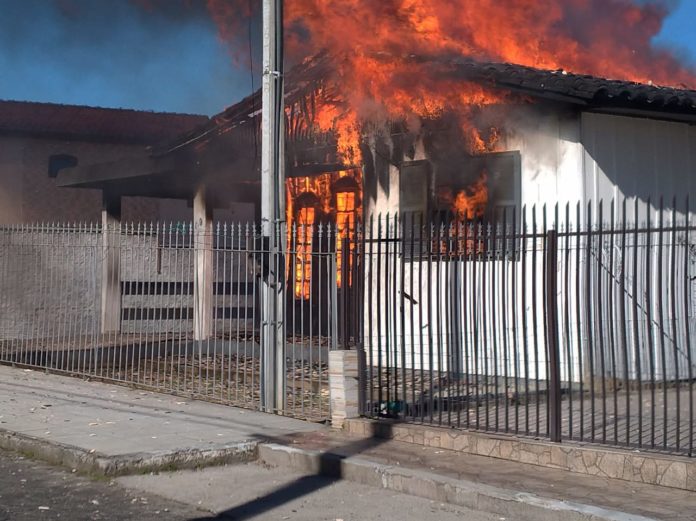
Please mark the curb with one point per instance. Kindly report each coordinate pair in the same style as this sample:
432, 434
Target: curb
475, 496
95, 463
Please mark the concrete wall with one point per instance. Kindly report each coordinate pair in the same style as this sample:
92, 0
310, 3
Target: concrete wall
50, 283
29, 195
35, 197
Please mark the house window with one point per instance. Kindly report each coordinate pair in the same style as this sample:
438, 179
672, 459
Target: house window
484, 192
58, 162
415, 179
345, 224
504, 185
303, 257
480, 188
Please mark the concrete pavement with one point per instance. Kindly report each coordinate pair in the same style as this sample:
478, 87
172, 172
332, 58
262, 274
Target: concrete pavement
109, 429
31, 491
249, 491
113, 430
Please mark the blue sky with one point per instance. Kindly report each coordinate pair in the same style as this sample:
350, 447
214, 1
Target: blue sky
680, 30
113, 53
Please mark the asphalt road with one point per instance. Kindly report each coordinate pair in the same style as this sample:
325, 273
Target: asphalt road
33, 491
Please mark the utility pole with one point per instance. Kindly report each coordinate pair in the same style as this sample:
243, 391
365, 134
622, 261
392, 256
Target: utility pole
273, 209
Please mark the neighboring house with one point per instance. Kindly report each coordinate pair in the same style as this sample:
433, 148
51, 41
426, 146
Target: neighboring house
36, 139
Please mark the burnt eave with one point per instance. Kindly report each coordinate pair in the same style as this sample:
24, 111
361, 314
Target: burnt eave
208, 153
589, 93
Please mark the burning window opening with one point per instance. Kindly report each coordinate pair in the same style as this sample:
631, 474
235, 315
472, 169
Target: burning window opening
479, 188
330, 199
465, 203
303, 252
468, 194
347, 202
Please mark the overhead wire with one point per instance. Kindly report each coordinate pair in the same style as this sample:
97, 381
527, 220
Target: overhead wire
251, 74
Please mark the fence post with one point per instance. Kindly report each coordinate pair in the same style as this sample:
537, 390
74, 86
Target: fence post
111, 265
344, 364
553, 353
203, 271
345, 293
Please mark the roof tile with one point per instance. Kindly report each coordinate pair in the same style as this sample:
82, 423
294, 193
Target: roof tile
94, 123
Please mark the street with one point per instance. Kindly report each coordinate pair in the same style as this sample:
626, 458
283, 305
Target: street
31, 490
34, 491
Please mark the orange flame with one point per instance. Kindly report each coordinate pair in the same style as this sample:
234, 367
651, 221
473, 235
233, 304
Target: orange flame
371, 42
303, 252
319, 200
472, 201
467, 203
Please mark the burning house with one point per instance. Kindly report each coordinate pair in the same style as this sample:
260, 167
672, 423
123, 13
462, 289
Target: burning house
422, 172
517, 137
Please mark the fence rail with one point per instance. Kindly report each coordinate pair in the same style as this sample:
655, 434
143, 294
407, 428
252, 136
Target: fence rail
575, 323
166, 307
572, 323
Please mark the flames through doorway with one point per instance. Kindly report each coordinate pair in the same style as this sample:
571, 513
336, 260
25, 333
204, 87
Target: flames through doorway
323, 213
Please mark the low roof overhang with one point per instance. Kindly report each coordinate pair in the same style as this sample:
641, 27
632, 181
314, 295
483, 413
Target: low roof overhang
171, 176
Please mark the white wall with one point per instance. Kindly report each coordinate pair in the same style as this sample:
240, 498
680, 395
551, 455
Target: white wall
566, 158
50, 282
10, 180
633, 158
551, 154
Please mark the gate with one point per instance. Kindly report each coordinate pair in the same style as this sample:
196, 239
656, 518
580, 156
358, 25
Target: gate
170, 308
571, 324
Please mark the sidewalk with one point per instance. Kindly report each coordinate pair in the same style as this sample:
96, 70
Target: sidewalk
112, 430
476, 481
109, 429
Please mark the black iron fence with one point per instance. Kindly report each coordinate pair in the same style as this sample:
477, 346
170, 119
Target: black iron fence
172, 308
568, 323
572, 323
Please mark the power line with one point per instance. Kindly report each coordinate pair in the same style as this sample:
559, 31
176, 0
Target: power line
251, 73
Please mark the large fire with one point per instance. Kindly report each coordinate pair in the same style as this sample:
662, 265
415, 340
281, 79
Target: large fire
326, 206
385, 55
372, 40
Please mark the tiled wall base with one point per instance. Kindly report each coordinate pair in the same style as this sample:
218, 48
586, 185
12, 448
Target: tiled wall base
343, 384
653, 469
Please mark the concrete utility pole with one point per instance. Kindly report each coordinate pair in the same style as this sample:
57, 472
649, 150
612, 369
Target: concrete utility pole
273, 208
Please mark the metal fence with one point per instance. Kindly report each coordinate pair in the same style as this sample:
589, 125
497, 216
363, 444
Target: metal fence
170, 308
576, 323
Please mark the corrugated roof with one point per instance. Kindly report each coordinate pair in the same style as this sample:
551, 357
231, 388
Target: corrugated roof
94, 123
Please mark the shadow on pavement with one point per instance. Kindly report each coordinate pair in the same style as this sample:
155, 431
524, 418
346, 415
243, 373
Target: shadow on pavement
329, 473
